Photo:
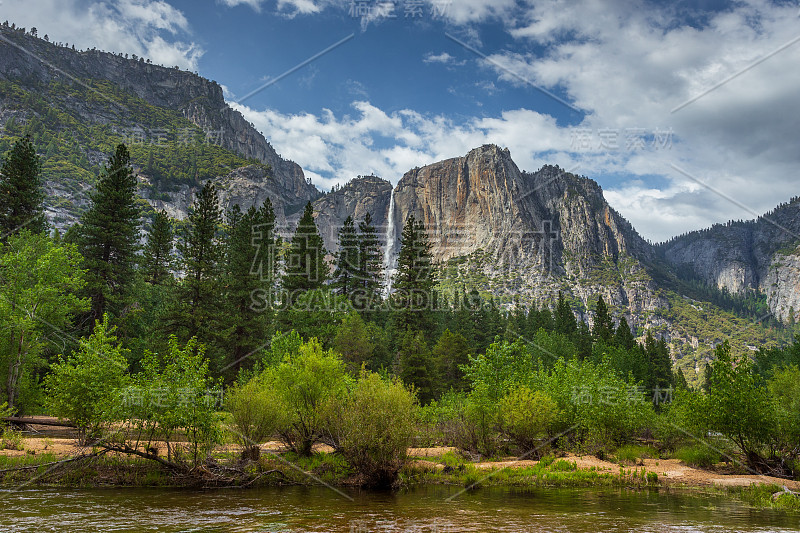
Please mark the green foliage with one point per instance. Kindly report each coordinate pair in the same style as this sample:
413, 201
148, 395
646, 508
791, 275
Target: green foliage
157, 256
527, 416
784, 390
450, 354
255, 412
354, 342
632, 454
306, 384
413, 284
414, 365
85, 386
39, 280
198, 312
369, 275
306, 268
373, 427
109, 235
347, 260
736, 405
21, 196
249, 271
174, 400
698, 455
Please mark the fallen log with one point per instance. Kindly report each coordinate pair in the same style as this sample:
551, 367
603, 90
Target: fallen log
32, 420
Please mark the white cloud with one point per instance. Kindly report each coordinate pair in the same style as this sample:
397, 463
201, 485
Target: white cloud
443, 58
149, 28
629, 65
290, 8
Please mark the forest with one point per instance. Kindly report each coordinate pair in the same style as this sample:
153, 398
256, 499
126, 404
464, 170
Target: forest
216, 329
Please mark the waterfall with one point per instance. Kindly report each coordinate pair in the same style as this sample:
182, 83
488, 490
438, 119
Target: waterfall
388, 254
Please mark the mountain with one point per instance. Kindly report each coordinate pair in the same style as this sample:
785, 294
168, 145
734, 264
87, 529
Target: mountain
78, 104
510, 234
756, 256
530, 234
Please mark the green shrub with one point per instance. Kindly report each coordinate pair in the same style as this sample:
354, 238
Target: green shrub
527, 416
255, 412
633, 455
373, 428
305, 385
698, 456
85, 386
11, 440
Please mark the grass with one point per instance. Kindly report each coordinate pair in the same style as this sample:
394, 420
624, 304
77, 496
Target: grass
762, 496
549, 472
634, 454
698, 456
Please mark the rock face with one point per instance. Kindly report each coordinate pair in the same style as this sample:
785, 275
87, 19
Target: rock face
30, 61
757, 255
537, 230
367, 194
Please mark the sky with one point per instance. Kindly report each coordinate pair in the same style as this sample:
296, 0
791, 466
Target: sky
686, 113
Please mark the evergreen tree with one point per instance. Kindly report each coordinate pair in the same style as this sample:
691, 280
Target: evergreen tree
246, 318
21, 195
201, 250
347, 260
450, 354
413, 364
659, 363
157, 257
370, 265
583, 340
623, 336
564, 319
305, 267
603, 328
414, 281
109, 236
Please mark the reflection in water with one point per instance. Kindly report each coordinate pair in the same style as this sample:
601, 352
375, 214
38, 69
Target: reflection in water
421, 510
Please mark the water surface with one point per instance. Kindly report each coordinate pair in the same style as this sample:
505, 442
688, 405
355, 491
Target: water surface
317, 509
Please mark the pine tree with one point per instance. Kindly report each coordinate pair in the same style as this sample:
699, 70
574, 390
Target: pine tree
414, 281
250, 243
305, 267
564, 319
659, 363
450, 354
157, 256
603, 328
623, 336
347, 260
370, 266
413, 364
201, 250
21, 195
109, 236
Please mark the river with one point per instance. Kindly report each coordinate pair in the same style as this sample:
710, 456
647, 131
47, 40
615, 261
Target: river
422, 510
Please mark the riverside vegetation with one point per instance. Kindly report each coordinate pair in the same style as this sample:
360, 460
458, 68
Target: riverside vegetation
262, 339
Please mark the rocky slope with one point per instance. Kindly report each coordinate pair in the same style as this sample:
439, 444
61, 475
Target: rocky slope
531, 234
759, 255
33, 63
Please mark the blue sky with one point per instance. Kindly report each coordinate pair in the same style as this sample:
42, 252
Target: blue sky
686, 113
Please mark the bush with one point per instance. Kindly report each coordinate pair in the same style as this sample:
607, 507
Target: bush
85, 387
373, 428
633, 455
527, 416
10, 439
255, 412
698, 456
174, 400
305, 385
